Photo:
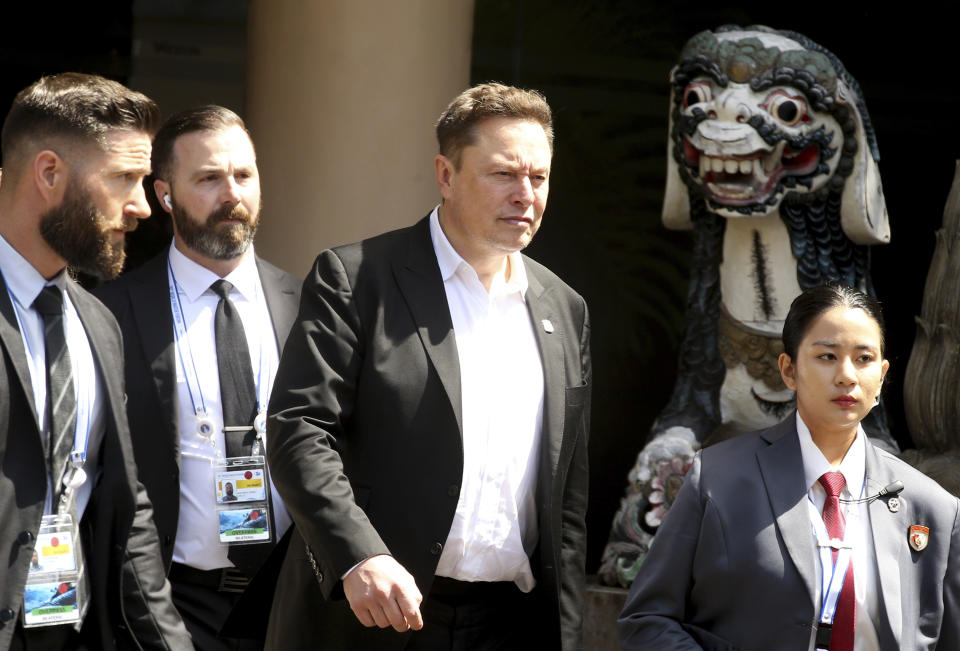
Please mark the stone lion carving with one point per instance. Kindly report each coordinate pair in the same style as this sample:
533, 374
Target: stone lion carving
773, 164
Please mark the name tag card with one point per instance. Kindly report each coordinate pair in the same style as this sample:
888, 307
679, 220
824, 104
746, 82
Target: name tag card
54, 593
242, 494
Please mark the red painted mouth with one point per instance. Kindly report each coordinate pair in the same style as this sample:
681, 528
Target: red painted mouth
751, 178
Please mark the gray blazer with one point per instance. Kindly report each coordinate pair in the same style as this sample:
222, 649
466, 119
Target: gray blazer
733, 565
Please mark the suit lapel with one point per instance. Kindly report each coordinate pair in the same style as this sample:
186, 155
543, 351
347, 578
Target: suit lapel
889, 542
280, 302
150, 306
104, 356
13, 342
552, 357
781, 466
418, 277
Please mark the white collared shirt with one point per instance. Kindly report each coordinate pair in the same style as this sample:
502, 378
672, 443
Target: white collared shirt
857, 530
494, 529
198, 542
24, 283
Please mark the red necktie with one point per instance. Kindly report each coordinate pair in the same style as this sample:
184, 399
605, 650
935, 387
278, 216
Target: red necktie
845, 617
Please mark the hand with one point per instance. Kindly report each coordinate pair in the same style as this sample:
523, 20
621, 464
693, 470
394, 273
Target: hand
382, 593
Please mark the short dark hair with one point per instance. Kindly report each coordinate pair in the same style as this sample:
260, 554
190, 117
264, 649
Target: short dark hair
455, 128
73, 107
815, 301
201, 118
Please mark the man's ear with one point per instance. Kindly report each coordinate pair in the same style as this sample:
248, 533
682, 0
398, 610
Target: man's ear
162, 189
445, 172
50, 175
788, 371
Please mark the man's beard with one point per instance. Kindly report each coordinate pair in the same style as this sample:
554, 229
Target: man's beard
79, 233
212, 240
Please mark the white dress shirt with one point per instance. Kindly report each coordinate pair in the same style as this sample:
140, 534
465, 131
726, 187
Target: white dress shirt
24, 283
857, 530
494, 529
198, 541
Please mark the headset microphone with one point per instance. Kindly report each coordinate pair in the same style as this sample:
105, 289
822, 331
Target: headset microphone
892, 489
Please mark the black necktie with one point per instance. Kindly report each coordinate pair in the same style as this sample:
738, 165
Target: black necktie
238, 396
61, 408
238, 399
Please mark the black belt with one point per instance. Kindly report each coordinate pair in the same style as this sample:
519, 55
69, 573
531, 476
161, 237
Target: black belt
226, 579
452, 590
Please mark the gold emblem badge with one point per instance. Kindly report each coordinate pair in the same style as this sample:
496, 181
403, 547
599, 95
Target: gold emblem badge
918, 537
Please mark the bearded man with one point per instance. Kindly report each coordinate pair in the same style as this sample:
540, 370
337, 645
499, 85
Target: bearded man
204, 324
82, 564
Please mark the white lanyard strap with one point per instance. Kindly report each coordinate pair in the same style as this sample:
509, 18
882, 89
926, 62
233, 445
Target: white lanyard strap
264, 376
266, 327
180, 336
832, 573
78, 456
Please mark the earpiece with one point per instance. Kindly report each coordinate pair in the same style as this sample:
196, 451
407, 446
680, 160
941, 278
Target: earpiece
167, 202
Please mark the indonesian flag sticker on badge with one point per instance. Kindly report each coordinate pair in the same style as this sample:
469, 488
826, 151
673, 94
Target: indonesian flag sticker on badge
918, 537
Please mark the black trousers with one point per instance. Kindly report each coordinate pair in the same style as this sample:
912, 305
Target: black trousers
462, 616
204, 609
46, 638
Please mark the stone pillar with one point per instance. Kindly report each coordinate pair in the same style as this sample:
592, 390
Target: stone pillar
341, 101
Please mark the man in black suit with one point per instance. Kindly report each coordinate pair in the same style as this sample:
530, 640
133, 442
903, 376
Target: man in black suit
75, 151
193, 402
430, 416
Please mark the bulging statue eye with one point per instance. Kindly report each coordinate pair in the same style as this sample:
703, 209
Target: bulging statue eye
787, 109
696, 92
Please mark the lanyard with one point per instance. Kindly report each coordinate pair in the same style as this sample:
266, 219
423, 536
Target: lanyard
205, 425
78, 456
832, 573
84, 402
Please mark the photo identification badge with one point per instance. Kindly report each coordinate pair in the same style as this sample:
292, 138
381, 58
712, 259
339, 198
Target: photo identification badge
242, 494
54, 593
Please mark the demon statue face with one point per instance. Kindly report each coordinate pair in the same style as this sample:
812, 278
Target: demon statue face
759, 115
773, 165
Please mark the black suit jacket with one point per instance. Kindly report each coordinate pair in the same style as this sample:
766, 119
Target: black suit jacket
140, 300
129, 593
366, 445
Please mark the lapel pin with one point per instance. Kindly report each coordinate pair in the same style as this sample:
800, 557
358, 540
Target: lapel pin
547, 326
918, 536
893, 504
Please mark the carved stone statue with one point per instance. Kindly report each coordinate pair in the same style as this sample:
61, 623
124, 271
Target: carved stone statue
931, 391
773, 164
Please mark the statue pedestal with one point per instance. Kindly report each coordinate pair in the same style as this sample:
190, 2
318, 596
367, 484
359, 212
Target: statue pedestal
602, 606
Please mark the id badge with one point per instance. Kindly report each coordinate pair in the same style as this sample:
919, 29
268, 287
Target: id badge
55, 593
242, 493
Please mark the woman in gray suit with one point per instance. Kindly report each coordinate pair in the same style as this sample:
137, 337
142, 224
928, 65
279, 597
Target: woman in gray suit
805, 535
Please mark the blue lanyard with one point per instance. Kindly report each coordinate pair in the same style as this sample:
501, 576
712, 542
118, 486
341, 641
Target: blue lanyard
180, 335
832, 574
190, 371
